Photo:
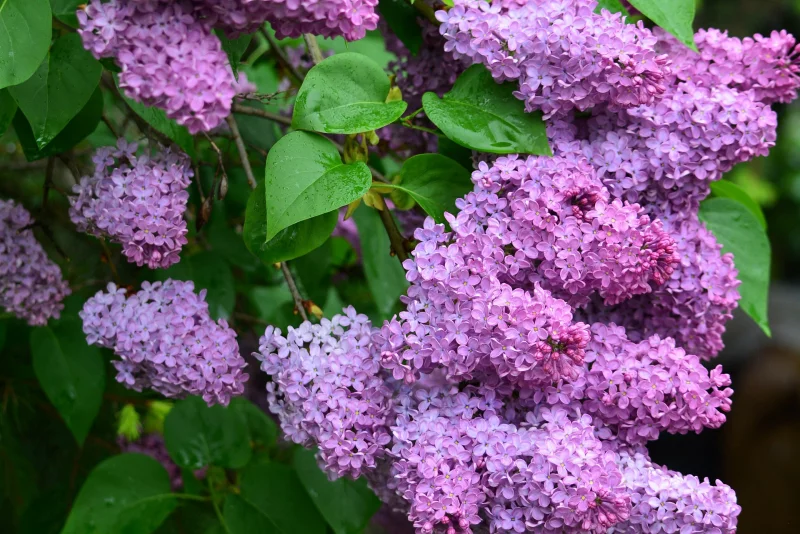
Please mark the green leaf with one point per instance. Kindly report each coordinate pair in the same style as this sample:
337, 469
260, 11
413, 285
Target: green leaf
234, 48
483, 115
386, 278
345, 94
675, 16
64, 10
8, 107
314, 272
728, 189
305, 177
197, 435
24, 39
614, 6
741, 233
72, 373
274, 492
59, 89
126, 494
83, 124
347, 505
434, 182
157, 118
244, 518
290, 243
211, 272
401, 17
263, 429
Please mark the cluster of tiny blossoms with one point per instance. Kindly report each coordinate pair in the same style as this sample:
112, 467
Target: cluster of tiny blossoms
137, 201
31, 286
166, 341
327, 391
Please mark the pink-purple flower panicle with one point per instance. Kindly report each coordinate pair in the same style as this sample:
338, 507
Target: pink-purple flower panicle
166, 341
31, 285
136, 201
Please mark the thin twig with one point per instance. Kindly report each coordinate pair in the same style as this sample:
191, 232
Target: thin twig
281, 56
224, 183
52, 239
247, 110
249, 318
313, 48
110, 126
409, 124
258, 97
72, 165
395, 237
237, 137
107, 253
298, 300
48, 181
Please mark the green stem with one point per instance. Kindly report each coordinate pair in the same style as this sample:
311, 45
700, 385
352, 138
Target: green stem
412, 115
313, 47
216, 508
190, 497
421, 128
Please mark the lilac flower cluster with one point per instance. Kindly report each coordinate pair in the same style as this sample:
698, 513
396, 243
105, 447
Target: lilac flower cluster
168, 56
166, 341
563, 54
137, 201
327, 391
31, 286
292, 18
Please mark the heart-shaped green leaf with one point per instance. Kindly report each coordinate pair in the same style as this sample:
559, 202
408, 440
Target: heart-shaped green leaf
24, 39
59, 88
305, 177
345, 94
481, 114
675, 16
434, 182
740, 233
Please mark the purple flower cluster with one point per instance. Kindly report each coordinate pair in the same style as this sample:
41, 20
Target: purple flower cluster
327, 391
292, 18
31, 286
137, 201
166, 341
563, 54
168, 56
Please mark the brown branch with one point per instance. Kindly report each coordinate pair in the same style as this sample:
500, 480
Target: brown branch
299, 304
246, 110
237, 137
107, 254
110, 126
281, 56
395, 237
223, 184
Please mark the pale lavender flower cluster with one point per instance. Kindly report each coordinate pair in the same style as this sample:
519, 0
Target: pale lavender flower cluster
31, 286
137, 201
327, 390
292, 18
563, 54
166, 341
168, 56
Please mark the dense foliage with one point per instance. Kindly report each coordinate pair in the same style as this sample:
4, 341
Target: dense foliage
487, 247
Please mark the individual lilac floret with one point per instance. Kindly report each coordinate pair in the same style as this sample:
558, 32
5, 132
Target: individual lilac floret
292, 18
562, 54
638, 390
327, 390
168, 56
137, 201
31, 286
166, 341
666, 501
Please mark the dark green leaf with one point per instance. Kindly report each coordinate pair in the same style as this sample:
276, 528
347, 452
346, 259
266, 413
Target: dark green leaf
24, 40
728, 189
276, 493
72, 373
314, 272
234, 48
434, 182
456, 152
290, 243
208, 271
345, 94
83, 124
614, 6
64, 10
59, 89
197, 435
3, 327
675, 16
8, 107
305, 177
483, 115
126, 494
347, 505
401, 17
262, 428
244, 518
385, 276
274, 305
740, 233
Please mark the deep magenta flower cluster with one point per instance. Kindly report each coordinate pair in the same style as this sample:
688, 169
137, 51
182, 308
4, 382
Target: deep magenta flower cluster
327, 391
563, 54
136, 201
31, 286
166, 341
